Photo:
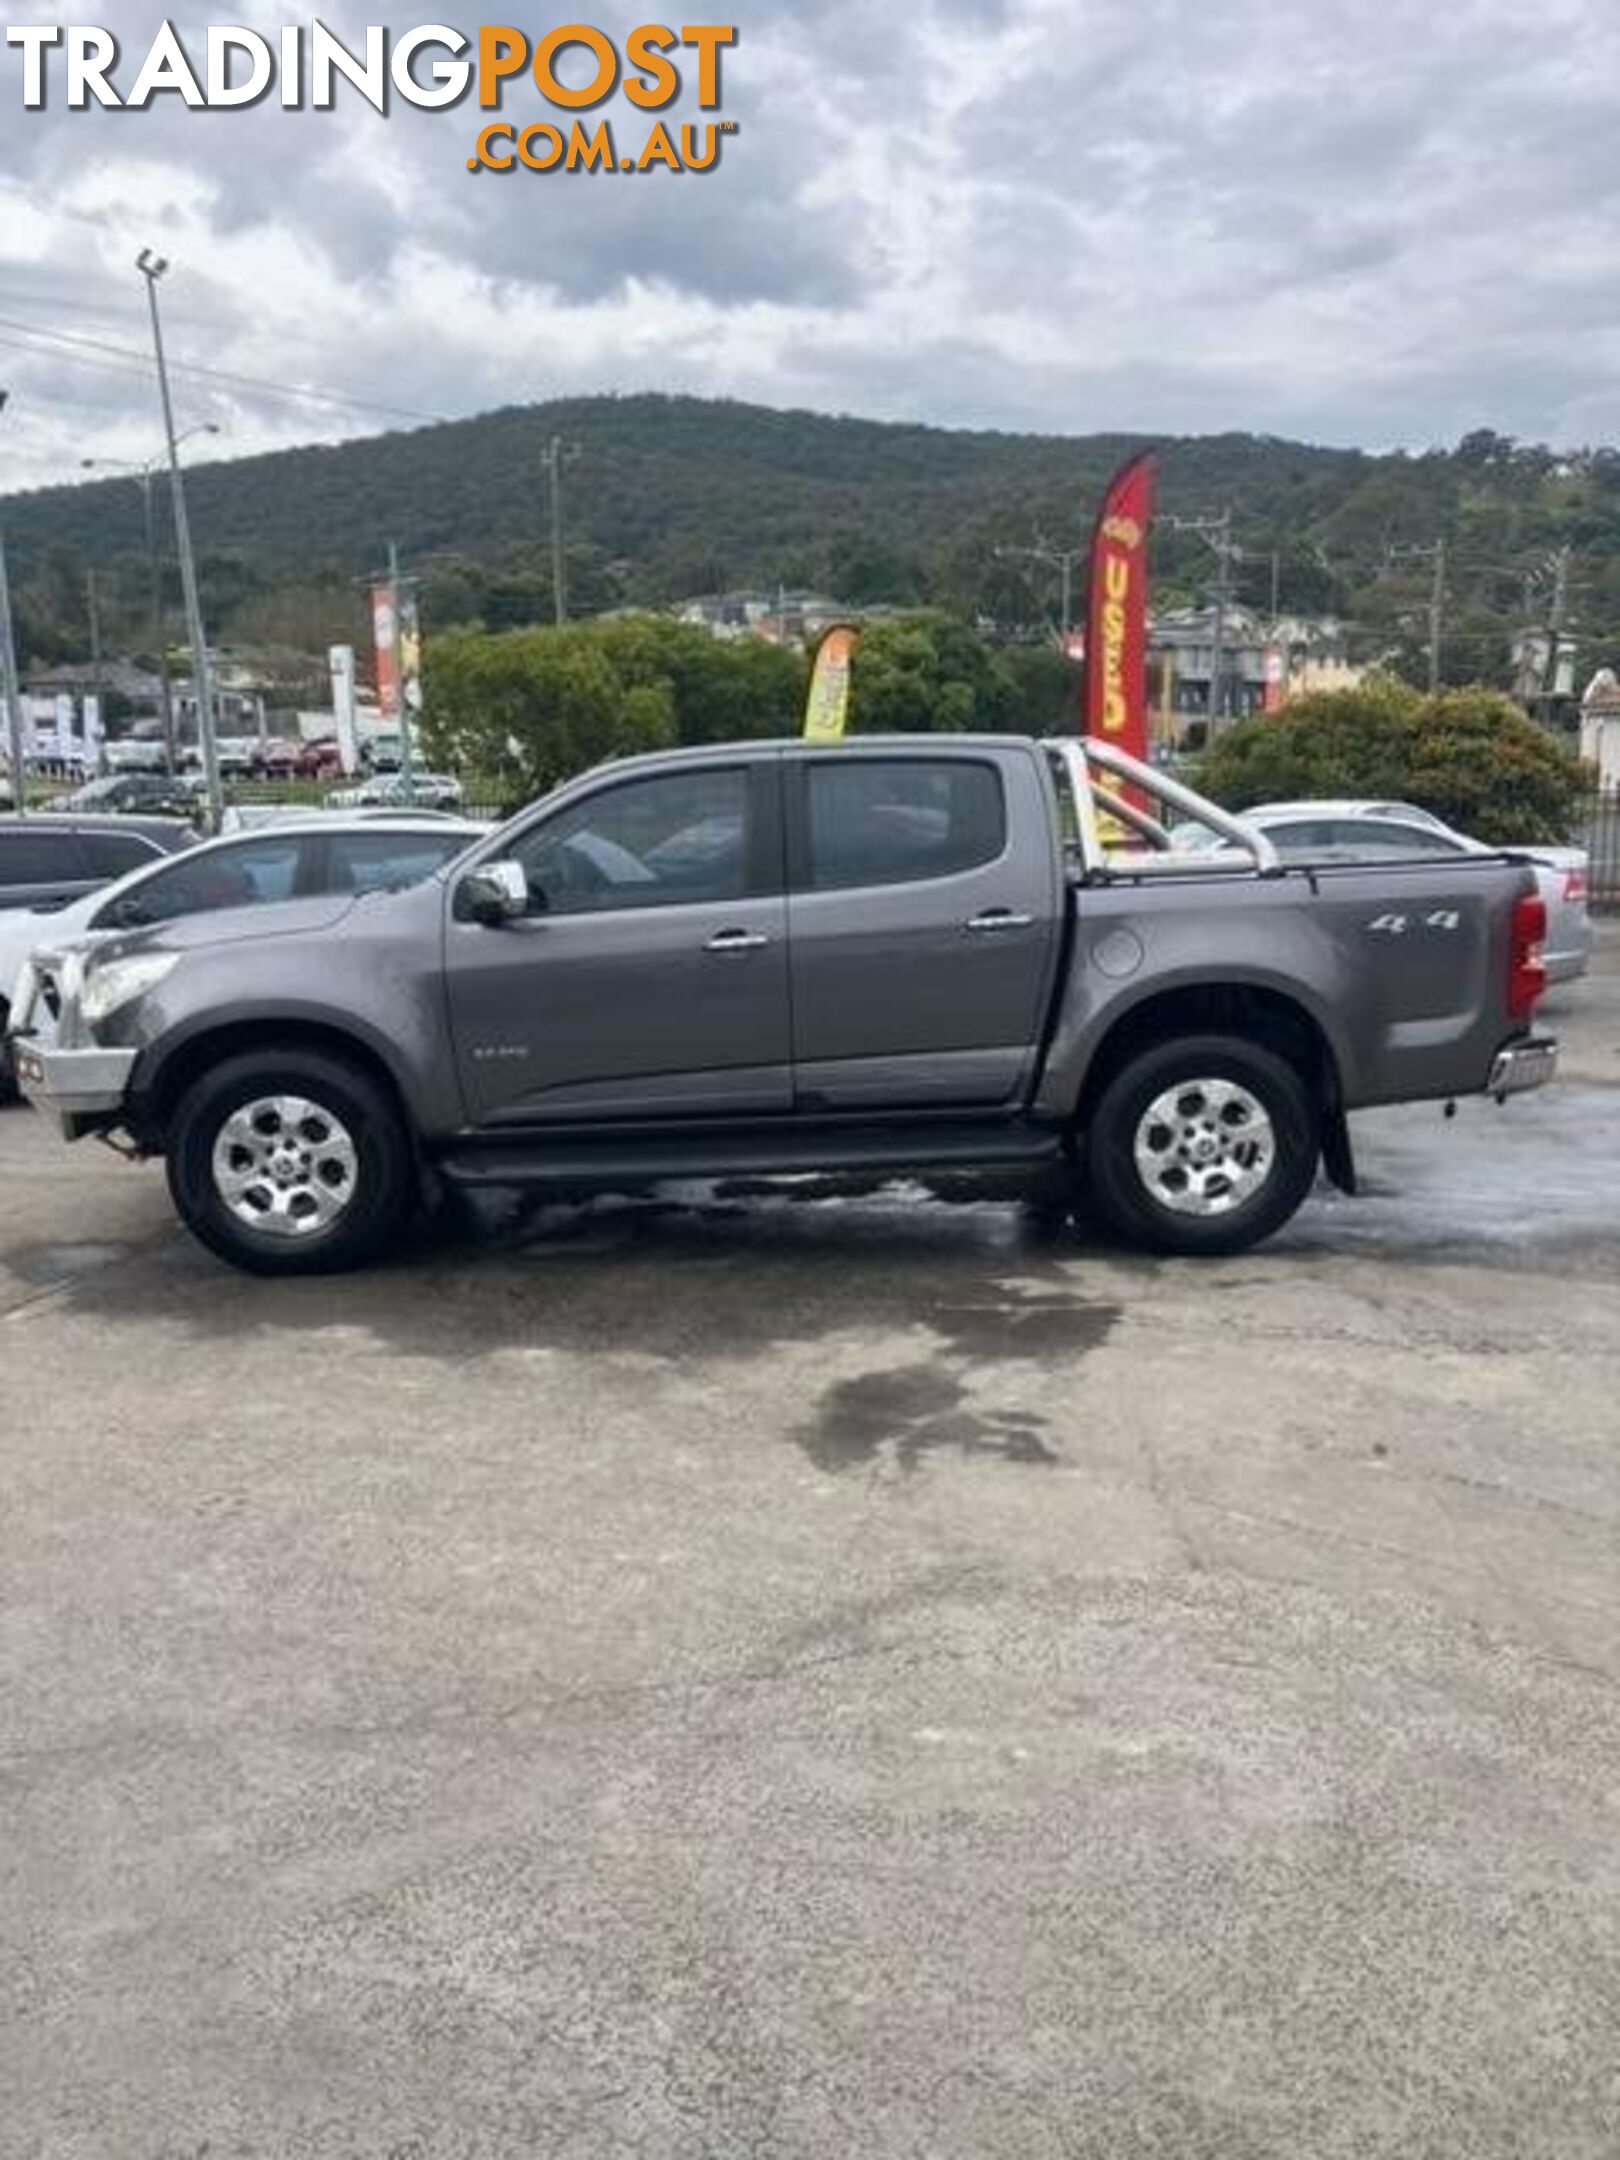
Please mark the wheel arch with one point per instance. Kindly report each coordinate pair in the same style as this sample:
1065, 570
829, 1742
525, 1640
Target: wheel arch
159, 1090
1256, 1011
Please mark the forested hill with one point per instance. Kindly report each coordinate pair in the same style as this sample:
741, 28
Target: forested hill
667, 497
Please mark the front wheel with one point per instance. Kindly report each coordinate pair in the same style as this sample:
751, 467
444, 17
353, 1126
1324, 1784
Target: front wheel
290, 1162
1206, 1145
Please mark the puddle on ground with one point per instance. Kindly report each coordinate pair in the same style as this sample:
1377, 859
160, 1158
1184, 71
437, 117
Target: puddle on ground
913, 1411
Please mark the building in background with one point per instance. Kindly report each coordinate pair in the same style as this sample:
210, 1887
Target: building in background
1264, 663
783, 617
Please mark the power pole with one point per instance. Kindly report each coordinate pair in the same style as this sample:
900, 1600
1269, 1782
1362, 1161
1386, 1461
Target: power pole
152, 267
553, 457
1437, 614
407, 755
95, 654
1434, 553
13, 695
1559, 615
9, 689
1216, 534
1217, 640
1062, 560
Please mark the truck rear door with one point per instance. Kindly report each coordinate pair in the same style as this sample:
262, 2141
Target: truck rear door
924, 909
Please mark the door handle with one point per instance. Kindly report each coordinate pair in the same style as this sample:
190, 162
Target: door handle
998, 918
725, 941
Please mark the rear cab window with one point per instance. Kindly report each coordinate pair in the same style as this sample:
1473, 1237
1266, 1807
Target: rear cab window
902, 820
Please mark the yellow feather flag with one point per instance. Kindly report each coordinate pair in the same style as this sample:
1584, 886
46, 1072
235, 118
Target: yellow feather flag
827, 707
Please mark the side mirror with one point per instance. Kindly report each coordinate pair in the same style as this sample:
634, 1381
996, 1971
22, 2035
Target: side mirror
126, 914
496, 892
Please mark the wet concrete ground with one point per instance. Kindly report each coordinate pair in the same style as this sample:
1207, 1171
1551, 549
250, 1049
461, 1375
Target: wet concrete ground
808, 1669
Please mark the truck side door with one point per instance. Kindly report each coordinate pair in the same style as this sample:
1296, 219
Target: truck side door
649, 979
924, 908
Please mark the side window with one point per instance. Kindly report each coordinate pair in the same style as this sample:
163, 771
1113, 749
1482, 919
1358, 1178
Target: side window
885, 821
1305, 838
112, 854
41, 858
213, 878
383, 862
1380, 836
659, 842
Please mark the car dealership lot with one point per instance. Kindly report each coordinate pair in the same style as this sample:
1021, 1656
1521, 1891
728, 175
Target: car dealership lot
821, 1670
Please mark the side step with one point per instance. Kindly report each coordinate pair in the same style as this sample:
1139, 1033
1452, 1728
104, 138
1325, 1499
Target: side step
639, 1156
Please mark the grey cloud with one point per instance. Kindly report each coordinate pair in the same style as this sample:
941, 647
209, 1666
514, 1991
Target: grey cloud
1357, 219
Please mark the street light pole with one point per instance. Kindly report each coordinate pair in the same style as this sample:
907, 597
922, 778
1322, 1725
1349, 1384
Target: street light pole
154, 608
146, 472
152, 267
9, 688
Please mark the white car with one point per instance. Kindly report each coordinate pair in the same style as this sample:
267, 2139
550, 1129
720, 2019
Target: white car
319, 854
425, 791
1346, 830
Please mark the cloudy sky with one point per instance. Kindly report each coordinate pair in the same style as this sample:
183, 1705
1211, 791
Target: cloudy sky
1357, 221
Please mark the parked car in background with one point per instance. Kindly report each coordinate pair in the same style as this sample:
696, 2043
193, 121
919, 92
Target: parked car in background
48, 863
151, 794
319, 760
135, 754
276, 758
383, 751
1347, 830
292, 860
424, 791
235, 755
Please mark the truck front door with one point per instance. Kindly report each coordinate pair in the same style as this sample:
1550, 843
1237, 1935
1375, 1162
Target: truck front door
649, 978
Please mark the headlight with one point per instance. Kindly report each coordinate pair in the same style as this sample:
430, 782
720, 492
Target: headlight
116, 982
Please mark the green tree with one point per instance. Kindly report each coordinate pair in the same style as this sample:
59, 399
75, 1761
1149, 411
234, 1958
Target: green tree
1470, 756
928, 674
530, 707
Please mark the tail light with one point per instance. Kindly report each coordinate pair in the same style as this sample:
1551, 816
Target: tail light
1574, 885
1527, 970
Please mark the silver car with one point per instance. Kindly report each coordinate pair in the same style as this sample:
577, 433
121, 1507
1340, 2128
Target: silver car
1347, 830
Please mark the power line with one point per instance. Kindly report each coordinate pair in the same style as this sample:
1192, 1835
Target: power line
74, 342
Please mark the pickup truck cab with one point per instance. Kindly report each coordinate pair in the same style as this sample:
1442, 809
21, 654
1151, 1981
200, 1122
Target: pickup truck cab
893, 952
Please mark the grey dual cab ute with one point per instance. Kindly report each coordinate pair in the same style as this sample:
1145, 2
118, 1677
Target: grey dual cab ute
903, 952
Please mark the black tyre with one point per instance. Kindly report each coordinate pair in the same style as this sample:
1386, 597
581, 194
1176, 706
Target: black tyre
1206, 1145
290, 1162
8, 1068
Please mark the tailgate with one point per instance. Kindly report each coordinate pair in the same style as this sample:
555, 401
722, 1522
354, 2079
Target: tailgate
1423, 951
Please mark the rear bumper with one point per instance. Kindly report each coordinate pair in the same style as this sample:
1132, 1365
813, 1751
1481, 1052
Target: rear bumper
1523, 1065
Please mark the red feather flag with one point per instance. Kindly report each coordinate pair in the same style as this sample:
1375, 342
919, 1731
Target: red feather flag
1115, 704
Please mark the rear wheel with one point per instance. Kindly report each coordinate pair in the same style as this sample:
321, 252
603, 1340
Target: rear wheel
1202, 1146
290, 1162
